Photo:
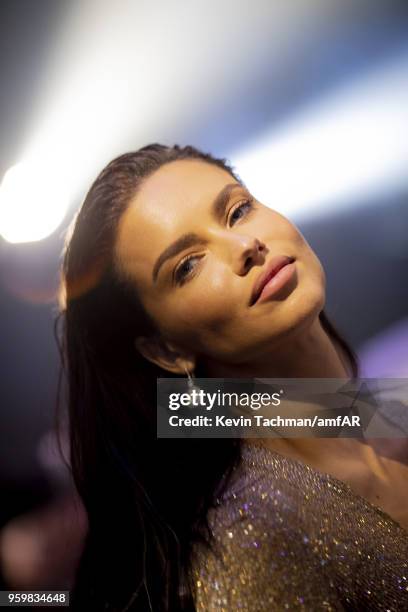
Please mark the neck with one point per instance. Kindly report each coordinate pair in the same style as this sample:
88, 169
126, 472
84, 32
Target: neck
309, 354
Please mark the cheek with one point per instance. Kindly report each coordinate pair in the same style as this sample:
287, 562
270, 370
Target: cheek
302, 249
202, 307
311, 262
287, 231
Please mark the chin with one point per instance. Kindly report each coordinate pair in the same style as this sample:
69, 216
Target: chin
304, 306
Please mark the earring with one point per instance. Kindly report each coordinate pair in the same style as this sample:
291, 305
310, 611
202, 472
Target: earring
191, 386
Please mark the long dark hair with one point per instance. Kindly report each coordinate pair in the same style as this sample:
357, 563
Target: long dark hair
146, 499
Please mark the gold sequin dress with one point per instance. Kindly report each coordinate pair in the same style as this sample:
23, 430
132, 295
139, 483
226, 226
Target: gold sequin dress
288, 537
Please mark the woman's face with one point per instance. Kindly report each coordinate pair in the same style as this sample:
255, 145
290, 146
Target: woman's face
199, 296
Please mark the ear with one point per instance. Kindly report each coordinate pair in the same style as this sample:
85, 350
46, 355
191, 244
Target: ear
166, 355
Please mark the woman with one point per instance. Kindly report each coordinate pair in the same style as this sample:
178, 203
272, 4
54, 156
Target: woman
158, 276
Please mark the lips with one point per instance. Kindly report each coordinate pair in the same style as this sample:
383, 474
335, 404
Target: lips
271, 268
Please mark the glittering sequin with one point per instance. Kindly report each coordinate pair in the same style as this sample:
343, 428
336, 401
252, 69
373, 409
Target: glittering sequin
288, 537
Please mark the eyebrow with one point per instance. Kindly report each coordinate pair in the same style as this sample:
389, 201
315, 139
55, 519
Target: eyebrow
188, 240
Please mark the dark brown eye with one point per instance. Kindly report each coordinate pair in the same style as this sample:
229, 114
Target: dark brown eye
185, 269
246, 205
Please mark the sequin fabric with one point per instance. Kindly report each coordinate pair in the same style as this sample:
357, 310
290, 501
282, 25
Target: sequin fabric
288, 537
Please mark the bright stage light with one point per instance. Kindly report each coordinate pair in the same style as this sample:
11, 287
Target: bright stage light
33, 202
341, 151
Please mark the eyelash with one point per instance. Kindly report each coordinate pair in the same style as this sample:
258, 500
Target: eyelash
180, 279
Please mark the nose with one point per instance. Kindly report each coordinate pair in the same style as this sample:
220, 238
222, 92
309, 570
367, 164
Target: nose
245, 251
